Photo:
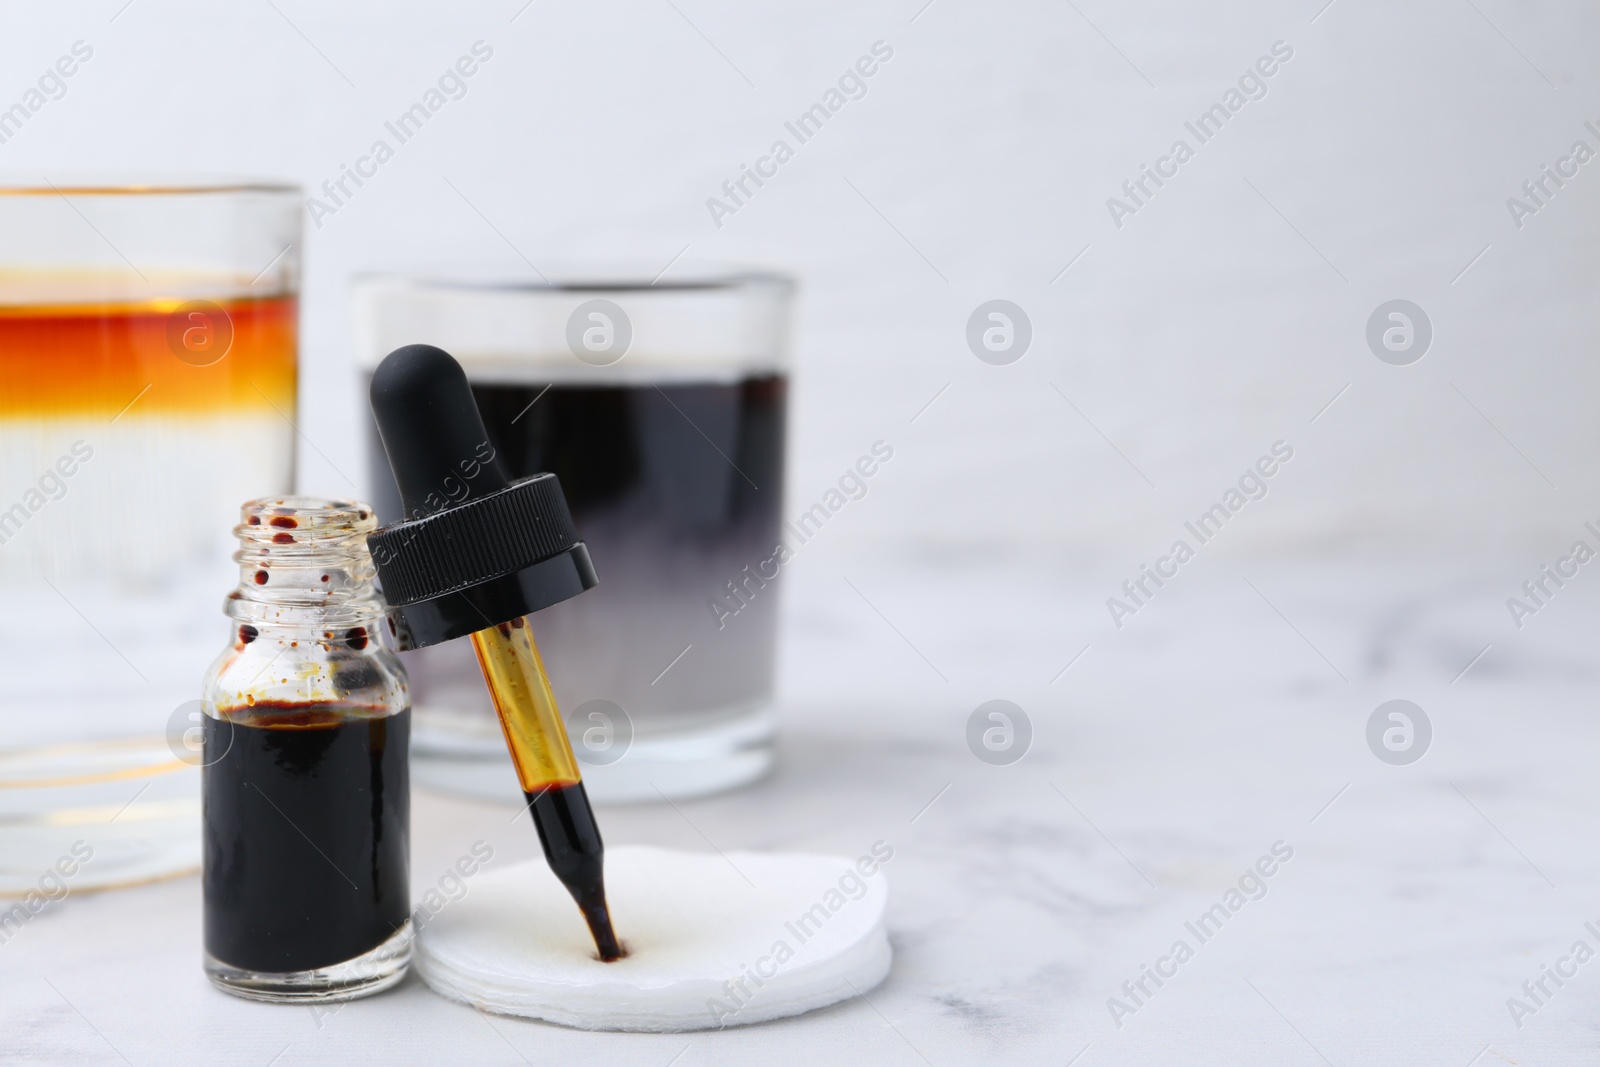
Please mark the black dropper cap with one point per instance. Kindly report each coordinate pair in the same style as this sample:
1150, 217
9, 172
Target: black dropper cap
476, 549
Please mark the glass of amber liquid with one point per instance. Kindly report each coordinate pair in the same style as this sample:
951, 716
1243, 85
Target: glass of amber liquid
147, 386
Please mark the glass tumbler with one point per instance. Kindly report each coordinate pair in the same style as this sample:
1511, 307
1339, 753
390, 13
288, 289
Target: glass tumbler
147, 386
661, 407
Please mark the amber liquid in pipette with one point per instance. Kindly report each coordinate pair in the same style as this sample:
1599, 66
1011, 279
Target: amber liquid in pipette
547, 771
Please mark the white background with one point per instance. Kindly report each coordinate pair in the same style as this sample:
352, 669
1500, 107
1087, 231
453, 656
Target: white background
1193, 337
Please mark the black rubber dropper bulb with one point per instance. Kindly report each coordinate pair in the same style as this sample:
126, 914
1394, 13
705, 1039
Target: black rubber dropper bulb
474, 555
432, 431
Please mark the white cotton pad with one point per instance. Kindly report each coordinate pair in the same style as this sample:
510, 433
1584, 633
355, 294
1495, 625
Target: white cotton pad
701, 931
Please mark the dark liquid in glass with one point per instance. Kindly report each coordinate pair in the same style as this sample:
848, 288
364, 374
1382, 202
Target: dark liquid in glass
676, 488
306, 823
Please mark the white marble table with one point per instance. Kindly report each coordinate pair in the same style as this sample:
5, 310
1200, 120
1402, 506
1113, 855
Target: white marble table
1173, 754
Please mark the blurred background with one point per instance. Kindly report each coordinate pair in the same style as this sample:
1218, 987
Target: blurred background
1179, 331
1222, 316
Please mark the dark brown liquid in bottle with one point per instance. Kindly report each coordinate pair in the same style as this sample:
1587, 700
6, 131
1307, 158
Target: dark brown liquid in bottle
307, 821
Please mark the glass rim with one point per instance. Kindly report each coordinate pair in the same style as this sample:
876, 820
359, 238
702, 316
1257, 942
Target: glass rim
152, 185
593, 280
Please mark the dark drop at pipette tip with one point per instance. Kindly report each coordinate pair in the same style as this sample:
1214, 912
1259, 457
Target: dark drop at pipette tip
572, 846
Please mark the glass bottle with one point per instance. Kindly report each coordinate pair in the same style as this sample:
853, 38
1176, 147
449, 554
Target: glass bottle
305, 785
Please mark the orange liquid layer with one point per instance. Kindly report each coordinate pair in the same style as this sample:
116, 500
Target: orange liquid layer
93, 359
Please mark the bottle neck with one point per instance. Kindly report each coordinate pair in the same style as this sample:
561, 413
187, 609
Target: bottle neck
303, 564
